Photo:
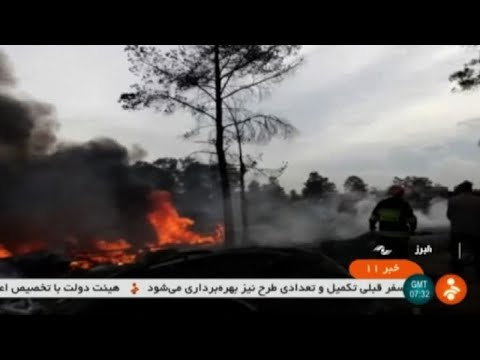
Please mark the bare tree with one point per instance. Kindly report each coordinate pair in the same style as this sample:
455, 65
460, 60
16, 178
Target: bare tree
246, 127
200, 78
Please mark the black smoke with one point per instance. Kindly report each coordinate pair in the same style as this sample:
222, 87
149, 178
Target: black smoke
63, 195
27, 126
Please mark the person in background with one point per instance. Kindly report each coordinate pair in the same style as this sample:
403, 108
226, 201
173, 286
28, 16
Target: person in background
464, 214
396, 222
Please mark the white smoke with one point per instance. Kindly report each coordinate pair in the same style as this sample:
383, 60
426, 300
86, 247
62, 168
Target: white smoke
436, 215
307, 223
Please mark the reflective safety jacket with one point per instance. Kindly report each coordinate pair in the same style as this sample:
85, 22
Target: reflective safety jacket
395, 218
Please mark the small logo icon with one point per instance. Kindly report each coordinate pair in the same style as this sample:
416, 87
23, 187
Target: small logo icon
418, 289
134, 289
382, 250
451, 289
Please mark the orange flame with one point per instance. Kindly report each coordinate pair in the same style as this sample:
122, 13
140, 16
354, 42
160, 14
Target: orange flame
106, 252
21, 249
112, 245
4, 253
169, 226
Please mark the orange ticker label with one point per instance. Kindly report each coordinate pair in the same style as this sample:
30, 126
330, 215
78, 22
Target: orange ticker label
384, 269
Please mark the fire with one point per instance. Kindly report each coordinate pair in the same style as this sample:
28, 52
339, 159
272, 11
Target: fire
170, 229
105, 252
21, 249
113, 246
4, 253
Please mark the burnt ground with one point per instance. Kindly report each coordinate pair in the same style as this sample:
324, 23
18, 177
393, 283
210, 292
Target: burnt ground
326, 260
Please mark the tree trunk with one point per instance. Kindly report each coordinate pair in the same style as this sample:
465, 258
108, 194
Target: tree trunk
244, 207
243, 197
222, 161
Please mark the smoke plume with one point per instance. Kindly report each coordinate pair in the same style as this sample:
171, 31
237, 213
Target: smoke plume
27, 127
55, 194
306, 223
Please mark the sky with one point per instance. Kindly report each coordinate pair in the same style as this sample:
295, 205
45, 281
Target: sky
373, 111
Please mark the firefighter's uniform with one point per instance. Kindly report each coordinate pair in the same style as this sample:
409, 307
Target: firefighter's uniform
396, 221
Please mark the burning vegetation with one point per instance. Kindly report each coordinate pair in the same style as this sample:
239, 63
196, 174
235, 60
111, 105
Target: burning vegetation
98, 203
170, 229
81, 199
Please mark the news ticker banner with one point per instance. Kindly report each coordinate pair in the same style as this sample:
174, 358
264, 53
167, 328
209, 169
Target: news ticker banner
201, 288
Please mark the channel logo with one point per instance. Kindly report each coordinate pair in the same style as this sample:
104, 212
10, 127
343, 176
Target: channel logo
382, 250
451, 289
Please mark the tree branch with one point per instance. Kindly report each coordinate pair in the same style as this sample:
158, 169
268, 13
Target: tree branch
226, 82
245, 64
246, 120
206, 92
261, 81
209, 86
239, 67
156, 68
184, 103
224, 66
196, 131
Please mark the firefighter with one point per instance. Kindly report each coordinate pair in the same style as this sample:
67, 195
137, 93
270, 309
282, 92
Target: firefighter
464, 214
396, 222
